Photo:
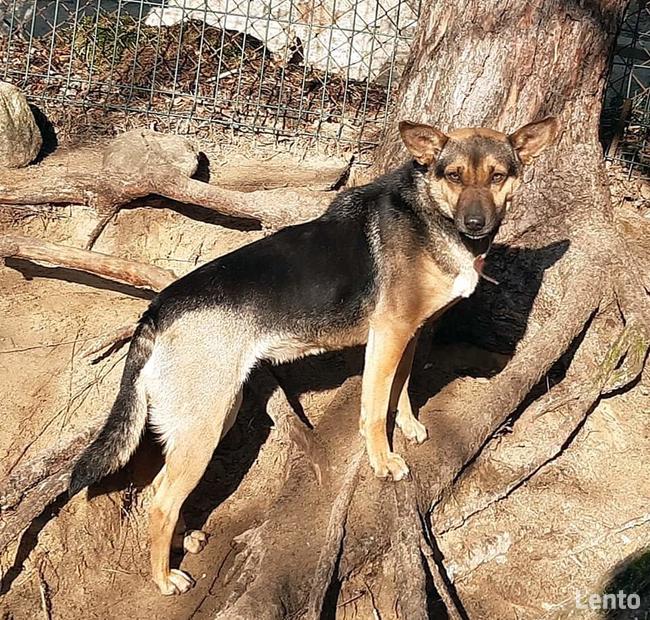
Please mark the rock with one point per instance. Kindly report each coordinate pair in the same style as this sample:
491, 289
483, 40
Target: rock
135, 152
20, 137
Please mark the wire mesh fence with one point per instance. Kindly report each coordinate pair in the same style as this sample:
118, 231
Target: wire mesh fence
626, 116
321, 69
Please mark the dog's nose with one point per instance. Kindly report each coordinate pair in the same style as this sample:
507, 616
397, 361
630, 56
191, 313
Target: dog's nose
474, 222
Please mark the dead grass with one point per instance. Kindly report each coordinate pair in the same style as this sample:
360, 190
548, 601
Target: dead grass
112, 71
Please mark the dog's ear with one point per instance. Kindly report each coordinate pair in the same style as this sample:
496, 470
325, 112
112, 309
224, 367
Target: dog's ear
530, 140
422, 141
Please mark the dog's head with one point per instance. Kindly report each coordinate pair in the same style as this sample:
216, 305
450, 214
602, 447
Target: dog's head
472, 173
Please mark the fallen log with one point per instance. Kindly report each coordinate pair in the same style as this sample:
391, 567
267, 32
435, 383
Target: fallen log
133, 273
141, 163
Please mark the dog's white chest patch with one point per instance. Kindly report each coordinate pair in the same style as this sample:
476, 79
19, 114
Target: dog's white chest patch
465, 282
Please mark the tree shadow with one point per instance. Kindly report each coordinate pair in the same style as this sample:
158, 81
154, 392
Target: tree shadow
492, 321
629, 586
495, 317
195, 212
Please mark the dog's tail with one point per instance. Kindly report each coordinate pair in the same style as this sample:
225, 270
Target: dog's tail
121, 433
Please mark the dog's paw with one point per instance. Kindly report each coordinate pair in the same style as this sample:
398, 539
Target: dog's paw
412, 428
392, 465
194, 541
176, 582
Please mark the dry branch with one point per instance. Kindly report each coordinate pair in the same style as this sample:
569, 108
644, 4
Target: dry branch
140, 163
133, 273
139, 275
121, 334
274, 208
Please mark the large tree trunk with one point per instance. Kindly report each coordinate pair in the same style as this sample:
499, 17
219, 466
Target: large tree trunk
559, 259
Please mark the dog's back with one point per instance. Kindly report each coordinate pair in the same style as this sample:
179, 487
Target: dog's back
305, 288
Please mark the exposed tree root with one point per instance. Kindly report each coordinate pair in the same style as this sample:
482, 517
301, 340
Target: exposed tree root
295, 435
411, 550
631, 349
140, 163
38, 482
288, 560
331, 549
538, 435
133, 273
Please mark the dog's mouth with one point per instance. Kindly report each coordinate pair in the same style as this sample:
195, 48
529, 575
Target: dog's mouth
476, 236
489, 230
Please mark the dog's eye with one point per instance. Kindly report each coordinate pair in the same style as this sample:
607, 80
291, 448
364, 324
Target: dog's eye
454, 177
498, 178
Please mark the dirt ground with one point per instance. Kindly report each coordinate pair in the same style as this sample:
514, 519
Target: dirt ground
558, 536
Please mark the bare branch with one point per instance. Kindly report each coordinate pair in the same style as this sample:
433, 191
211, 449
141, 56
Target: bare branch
139, 275
121, 334
140, 163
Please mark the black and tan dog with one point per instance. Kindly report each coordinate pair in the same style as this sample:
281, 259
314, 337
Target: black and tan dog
383, 259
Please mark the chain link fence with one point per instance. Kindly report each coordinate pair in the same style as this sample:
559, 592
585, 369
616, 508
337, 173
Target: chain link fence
626, 116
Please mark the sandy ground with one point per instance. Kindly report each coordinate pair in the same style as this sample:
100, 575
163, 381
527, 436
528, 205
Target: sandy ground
562, 533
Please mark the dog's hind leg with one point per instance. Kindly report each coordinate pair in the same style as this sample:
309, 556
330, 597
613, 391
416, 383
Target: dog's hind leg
192, 434
194, 541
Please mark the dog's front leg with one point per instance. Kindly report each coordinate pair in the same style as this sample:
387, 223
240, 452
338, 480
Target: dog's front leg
383, 354
412, 429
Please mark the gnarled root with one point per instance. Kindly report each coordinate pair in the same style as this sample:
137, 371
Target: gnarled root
133, 273
140, 163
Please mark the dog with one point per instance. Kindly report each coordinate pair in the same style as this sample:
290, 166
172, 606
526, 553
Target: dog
383, 259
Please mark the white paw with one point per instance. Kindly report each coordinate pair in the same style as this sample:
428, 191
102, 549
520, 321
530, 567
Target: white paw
412, 428
177, 582
194, 541
392, 465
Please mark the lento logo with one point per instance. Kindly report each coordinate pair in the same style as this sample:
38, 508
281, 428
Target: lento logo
619, 601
